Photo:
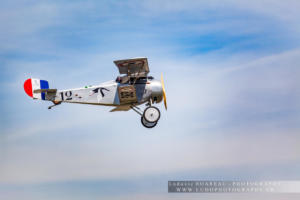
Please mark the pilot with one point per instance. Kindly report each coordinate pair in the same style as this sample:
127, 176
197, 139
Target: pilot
118, 79
122, 79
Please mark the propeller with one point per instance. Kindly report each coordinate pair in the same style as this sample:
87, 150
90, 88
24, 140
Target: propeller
164, 91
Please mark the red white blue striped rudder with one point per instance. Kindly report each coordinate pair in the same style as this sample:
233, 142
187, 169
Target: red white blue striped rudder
32, 84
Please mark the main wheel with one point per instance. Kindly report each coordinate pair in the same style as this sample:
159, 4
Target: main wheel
147, 124
151, 114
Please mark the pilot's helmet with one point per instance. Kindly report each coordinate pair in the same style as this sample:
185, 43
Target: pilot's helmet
118, 79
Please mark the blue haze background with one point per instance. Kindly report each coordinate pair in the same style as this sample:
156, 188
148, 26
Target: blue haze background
231, 70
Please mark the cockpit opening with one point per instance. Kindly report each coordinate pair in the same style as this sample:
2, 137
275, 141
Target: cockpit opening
130, 80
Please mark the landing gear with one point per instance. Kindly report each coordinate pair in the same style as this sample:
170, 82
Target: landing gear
148, 124
151, 114
149, 117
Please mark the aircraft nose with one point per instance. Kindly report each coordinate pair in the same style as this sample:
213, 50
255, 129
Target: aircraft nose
157, 91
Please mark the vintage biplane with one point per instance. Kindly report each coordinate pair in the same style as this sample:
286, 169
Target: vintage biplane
132, 88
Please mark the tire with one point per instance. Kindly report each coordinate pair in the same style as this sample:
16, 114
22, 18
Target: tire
151, 114
148, 124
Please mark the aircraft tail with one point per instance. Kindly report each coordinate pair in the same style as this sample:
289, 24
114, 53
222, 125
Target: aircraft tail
37, 88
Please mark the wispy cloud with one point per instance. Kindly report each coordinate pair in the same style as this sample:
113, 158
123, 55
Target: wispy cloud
215, 101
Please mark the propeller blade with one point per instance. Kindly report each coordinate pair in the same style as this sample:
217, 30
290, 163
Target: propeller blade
164, 91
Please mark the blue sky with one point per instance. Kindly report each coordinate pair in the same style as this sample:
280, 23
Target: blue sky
232, 78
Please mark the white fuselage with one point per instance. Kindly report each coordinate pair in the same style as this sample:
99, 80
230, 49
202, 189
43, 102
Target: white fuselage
104, 94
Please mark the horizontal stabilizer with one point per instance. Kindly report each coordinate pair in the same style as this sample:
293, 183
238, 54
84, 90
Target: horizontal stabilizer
45, 90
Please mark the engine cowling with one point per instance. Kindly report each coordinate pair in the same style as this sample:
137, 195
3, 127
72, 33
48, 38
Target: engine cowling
156, 91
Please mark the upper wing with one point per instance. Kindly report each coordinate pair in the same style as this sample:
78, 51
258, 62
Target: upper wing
133, 67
